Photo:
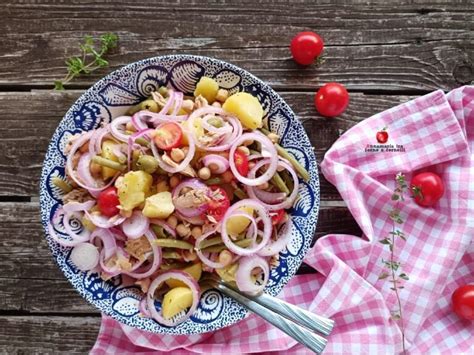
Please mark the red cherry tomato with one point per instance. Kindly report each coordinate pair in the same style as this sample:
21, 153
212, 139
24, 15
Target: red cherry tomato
219, 203
277, 216
463, 302
107, 201
168, 135
331, 100
428, 188
241, 162
305, 47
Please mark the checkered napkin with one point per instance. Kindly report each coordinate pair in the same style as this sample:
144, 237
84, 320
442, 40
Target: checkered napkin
434, 132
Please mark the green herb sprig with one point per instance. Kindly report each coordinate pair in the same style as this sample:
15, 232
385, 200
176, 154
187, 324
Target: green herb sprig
93, 52
393, 271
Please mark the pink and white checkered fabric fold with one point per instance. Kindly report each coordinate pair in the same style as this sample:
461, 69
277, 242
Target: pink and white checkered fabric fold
437, 134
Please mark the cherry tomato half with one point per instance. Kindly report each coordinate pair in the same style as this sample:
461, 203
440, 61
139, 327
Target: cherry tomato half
305, 47
277, 216
331, 100
219, 202
427, 188
107, 201
168, 135
241, 162
463, 302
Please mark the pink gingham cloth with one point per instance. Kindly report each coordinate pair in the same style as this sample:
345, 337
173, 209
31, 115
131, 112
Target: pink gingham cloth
437, 133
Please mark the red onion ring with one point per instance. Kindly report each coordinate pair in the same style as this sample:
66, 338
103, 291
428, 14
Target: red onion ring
180, 276
104, 222
156, 259
171, 231
70, 169
114, 128
83, 169
178, 102
195, 184
243, 276
85, 256
74, 206
201, 255
95, 143
109, 245
136, 225
274, 247
267, 227
268, 145
268, 197
183, 164
225, 129
137, 121
131, 141
143, 307
217, 160
288, 202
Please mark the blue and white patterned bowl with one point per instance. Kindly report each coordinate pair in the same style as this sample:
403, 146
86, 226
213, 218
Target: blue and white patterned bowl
110, 97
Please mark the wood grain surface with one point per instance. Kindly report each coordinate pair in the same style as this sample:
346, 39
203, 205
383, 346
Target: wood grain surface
385, 53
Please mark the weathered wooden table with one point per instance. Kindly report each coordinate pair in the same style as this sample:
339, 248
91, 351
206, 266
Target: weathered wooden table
385, 55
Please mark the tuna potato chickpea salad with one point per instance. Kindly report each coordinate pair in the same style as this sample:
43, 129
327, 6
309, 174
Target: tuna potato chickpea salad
179, 187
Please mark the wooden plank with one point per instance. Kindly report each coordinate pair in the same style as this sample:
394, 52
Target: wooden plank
25, 137
407, 47
47, 335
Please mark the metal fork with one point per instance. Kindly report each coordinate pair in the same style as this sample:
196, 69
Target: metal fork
292, 320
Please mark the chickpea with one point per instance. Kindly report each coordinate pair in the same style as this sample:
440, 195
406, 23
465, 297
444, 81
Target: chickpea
213, 167
147, 163
190, 255
275, 138
177, 155
264, 186
225, 257
95, 168
162, 186
163, 90
182, 230
185, 150
149, 105
216, 104
174, 181
188, 105
196, 232
247, 143
222, 95
129, 127
204, 173
172, 221
244, 150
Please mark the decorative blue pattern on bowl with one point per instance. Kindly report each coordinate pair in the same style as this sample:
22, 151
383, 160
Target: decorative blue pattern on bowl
110, 97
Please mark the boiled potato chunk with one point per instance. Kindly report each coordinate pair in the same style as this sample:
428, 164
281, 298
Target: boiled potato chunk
208, 88
236, 225
247, 108
176, 300
195, 270
159, 205
107, 153
133, 188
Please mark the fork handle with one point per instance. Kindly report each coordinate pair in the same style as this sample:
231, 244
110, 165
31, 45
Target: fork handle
311, 340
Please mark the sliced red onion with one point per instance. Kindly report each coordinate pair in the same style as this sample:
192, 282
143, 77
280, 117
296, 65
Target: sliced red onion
268, 197
131, 141
104, 222
219, 161
109, 245
243, 276
274, 247
77, 144
196, 220
143, 307
95, 143
194, 184
225, 129
74, 206
138, 120
176, 275
202, 255
83, 169
170, 230
183, 165
178, 102
114, 128
254, 193
135, 226
266, 144
118, 152
265, 218
85, 256
156, 259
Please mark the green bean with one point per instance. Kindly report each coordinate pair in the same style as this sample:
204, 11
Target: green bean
109, 163
287, 178
240, 194
209, 242
147, 163
244, 243
173, 266
279, 183
63, 185
171, 255
159, 231
142, 141
173, 243
214, 181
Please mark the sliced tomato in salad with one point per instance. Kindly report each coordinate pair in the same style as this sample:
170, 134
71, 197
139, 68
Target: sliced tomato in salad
108, 202
219, 203
277, 216
241, 162
168, 135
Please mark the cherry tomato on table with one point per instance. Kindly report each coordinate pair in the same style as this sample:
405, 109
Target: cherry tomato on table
305, 47
331, 100
219, 202
108, 202
463, 302
241, 162
427, 188
168, 135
